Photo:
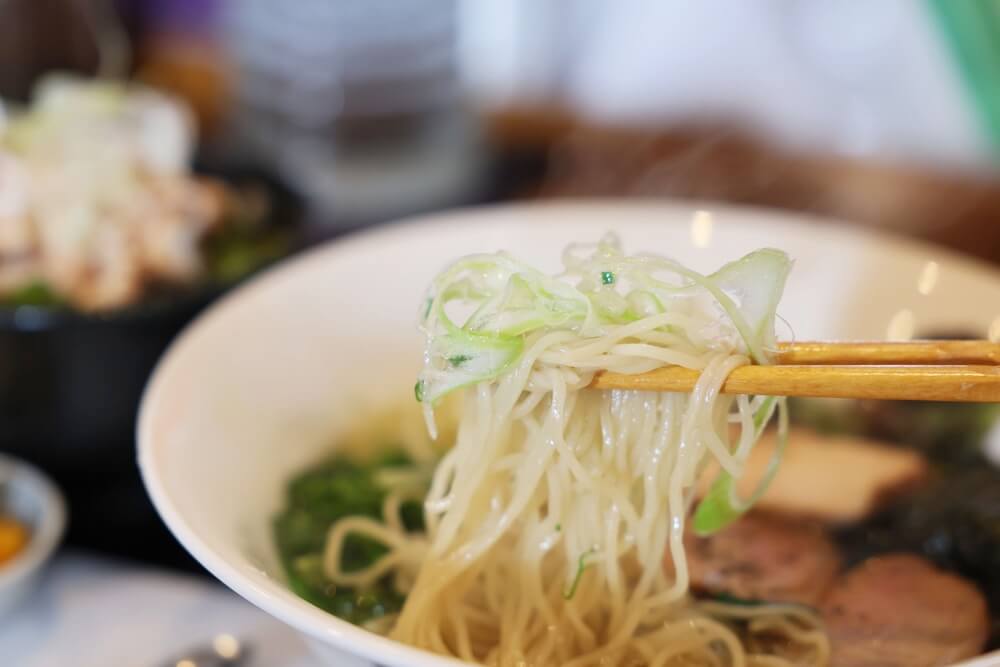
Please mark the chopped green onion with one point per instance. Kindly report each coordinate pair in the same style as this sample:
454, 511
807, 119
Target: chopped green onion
721, 505
716, 511
726, 598
509, 300
580, 567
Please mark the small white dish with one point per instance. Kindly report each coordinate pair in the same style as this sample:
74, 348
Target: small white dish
265, 381
30, 497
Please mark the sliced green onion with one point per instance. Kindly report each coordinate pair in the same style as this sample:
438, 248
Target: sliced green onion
721, 505
580, 567
509, 301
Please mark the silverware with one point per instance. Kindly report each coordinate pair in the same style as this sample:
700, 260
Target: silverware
223, 650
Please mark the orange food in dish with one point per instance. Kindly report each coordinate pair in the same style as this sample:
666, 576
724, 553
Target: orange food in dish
13, 538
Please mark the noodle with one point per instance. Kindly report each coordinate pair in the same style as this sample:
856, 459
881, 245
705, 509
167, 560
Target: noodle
549, 520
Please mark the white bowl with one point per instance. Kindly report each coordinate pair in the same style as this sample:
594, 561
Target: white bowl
32, 499
263, 383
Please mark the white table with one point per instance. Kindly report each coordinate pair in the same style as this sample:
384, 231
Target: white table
94, 612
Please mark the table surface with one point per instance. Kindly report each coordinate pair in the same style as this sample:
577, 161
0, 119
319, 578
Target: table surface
90, 611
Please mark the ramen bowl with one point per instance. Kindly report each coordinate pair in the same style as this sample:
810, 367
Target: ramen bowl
267, 380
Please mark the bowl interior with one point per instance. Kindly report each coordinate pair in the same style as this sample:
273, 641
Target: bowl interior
264, 383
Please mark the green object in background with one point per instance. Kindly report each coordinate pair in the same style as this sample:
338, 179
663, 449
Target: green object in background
972, 28
33, 294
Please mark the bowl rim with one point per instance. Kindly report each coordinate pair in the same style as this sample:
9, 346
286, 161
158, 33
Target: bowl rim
47, 534
306, 617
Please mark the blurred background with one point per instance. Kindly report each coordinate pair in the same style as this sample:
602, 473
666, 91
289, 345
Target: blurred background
348, 114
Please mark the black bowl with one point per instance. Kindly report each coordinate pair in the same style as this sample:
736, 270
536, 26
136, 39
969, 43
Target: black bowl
70, 383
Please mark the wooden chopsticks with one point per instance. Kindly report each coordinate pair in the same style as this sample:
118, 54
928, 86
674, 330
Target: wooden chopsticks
922, 352
967, 371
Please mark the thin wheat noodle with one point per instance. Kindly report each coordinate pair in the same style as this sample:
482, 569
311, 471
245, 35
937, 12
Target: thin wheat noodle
548, 520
